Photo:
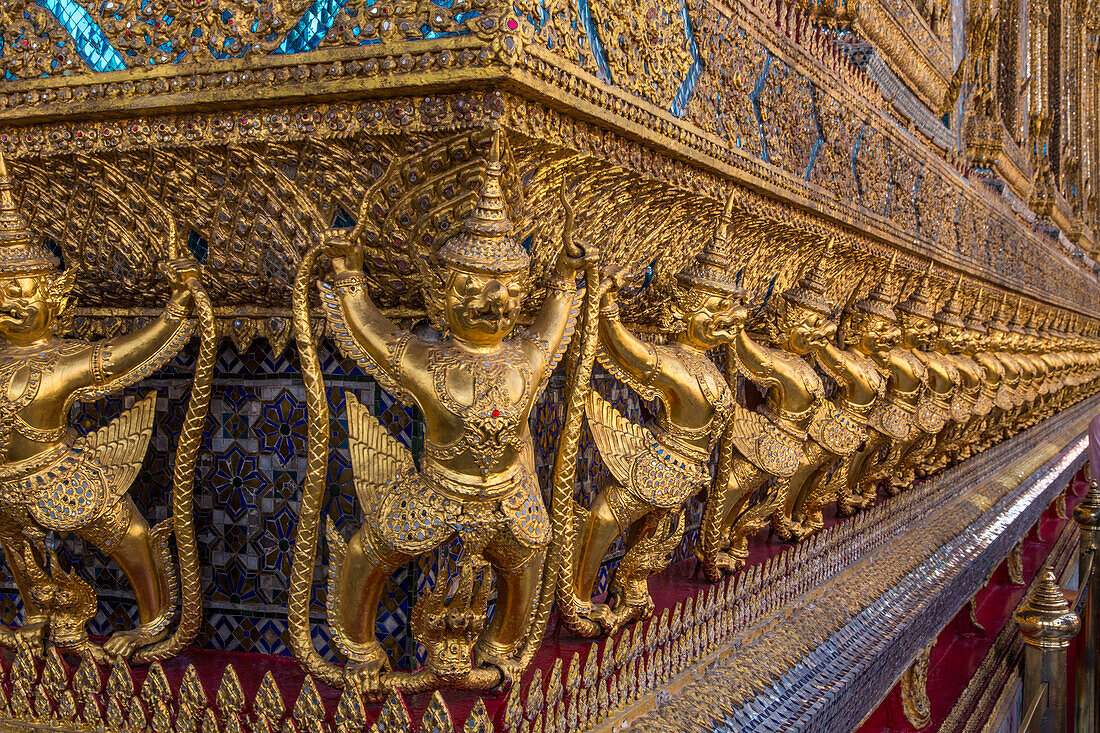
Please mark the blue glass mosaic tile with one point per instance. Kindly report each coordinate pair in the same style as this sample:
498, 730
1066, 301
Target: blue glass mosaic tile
91, 43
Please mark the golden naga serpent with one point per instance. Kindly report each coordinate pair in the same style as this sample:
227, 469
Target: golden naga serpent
305, 535
711, 537
581, 354
183, 476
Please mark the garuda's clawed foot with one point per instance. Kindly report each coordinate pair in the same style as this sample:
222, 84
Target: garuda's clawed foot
786, 528
31, 635
123, 644
625, 608
489, 654
366, 676
806, 526
591, 619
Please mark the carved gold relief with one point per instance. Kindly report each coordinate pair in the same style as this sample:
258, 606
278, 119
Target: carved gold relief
914, 690
55, 481
476, 382
655, 471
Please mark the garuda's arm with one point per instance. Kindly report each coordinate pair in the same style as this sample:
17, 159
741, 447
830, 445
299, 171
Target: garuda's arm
112, 364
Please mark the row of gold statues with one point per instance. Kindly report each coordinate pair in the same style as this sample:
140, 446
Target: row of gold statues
918, 384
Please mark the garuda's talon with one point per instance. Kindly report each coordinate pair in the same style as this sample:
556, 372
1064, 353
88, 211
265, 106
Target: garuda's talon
30, 635
123, 644
366, 678
509, 667
591, 619
624, 610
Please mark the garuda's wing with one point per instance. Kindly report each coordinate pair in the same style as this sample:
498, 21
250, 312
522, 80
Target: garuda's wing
764, 445
119, 447
619, 441
376, 458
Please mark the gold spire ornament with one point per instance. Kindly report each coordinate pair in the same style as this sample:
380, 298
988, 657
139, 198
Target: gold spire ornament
20, 253
486, 243
883, 296
919, 303
52, 480
809, 292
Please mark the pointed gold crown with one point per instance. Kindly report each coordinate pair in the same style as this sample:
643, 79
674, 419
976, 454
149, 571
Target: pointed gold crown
1062, 329
1017, 325
1047, 329
951, 312
918, 303
19, 253
809, 291
486, 242
880, 301
712, 269
975, 319
1031, 328
999, 322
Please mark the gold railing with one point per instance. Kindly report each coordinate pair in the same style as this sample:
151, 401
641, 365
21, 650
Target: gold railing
1049, 619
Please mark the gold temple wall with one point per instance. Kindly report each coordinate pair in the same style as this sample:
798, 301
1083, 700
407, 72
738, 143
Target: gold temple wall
794, 137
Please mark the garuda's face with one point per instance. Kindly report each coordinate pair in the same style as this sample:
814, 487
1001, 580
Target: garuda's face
807, 329
917, 332
876, 335
975, 340
480, 308
716, 320
25, 313
952, 338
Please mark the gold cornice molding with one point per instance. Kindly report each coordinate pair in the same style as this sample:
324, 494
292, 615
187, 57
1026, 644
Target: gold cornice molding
905, 57
196, 104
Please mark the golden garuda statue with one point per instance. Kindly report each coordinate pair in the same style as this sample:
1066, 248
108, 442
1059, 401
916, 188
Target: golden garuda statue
840, 425
953, 343
655, 470
775, 440
860, 367
988, 408
938, 380
870, 328
475, 383
54, 480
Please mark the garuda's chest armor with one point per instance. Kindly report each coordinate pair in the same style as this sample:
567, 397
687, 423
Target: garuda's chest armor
422, 509
493, 420
76, 479
773, 440
895, 415
39, 365
934, 409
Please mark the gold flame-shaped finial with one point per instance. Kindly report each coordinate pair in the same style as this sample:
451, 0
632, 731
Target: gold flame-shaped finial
712, 269
951, 312
880, 301
19, 253
919, 303
809, 291
975, 319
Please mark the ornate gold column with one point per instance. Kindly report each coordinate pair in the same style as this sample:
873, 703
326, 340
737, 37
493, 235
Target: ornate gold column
1087, 514
1048, 624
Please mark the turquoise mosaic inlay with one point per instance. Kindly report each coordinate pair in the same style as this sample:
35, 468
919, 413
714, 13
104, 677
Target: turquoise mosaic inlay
91, 43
